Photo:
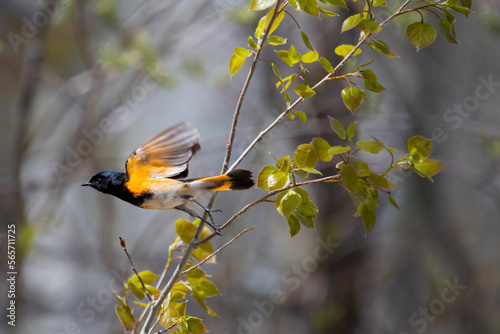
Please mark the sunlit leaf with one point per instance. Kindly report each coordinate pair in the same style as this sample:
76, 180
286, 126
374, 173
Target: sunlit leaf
305, 156
301, 115
276, 40
371, 146
321, 148
126, 317
287, 202
351, 22
419, 148
305, 39
235, 63
340, 3
242, 52
310, 57
326, 65
261, 4
304, 91
344, 49
251, 43
369, 26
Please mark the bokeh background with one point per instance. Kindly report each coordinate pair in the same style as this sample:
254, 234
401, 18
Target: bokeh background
91, 80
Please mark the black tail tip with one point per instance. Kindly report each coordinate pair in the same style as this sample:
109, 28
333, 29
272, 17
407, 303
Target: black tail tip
241, 179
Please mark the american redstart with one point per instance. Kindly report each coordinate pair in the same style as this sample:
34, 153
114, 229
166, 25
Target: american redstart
155, 171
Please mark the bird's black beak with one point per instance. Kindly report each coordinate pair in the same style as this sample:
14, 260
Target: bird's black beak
87, 184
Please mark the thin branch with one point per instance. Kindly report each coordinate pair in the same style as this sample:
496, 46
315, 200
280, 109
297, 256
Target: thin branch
319, 84
263, 199
217, 251
251, 71
122, 243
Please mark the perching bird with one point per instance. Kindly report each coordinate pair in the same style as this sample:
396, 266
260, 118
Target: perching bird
155, 171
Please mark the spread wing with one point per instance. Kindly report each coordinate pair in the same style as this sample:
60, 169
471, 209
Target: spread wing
166, 154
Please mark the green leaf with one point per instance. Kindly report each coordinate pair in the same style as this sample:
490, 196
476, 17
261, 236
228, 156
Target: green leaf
311, 7
369, 26
305, 156
276, 72
351, 22
293, 225
126, 317
371, 146
304, 91
327, 12
419, 148
326, 65
340, 3
369, 75
305, 39
338, 150
428, 168
375, 87
271, 178
283, 164
369, 218
380, 181
264, 23
350, 178
251, 43
393, 203
460, 9
310, 57
242, 52
195, 325
261, 4
235, 63
352, 97
136, 289
383, 48
381, 3
351, 129
321, 148
284, 55
277, 21
185, 230
294, 55
337, 127
301, 115
296, 4
344, 49
448, 31
287, 202
147, 277
276, 40
421, 34
366, 64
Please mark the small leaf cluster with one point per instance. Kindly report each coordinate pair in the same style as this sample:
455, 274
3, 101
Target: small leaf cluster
355, 176
422, 34
195, 284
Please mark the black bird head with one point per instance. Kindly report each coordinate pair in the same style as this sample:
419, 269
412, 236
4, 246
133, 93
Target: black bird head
106, 182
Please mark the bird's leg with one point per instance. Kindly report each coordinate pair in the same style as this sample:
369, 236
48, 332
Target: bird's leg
193, 214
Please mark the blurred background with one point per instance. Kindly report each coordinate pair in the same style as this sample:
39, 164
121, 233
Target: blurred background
83, 83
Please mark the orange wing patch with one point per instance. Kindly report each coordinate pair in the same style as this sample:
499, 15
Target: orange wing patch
165, 155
